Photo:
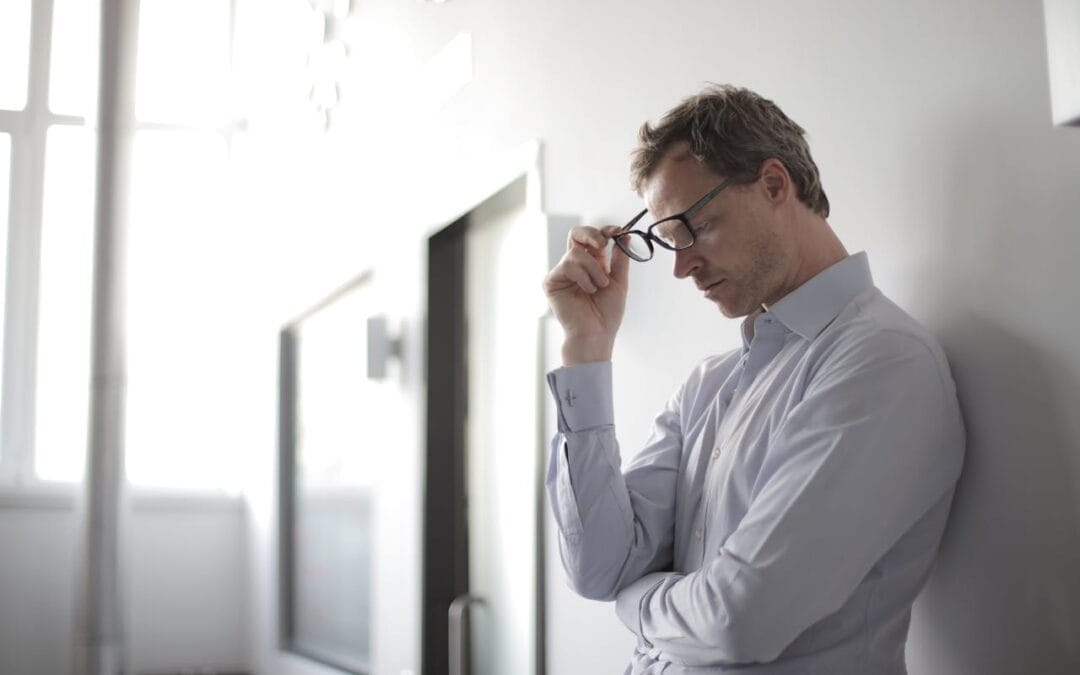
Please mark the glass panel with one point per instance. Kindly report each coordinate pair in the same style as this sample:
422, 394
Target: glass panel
63, 358
183, 62
74, 77
14, 52
503, 309
334, 485
186, 399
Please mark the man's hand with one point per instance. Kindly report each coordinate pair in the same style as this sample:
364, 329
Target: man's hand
587, 292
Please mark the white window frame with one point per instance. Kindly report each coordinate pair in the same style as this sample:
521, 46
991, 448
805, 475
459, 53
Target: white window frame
27, 128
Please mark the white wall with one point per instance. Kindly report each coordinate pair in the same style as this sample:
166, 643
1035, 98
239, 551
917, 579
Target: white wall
37, 589
186, 594
930, 122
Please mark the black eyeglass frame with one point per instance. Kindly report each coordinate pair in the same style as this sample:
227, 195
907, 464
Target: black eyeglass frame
682, 218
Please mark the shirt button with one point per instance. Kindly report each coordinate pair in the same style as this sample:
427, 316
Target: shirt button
697, 534
716, 453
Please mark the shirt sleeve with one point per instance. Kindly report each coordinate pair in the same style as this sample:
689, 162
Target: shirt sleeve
613, 528
874, 444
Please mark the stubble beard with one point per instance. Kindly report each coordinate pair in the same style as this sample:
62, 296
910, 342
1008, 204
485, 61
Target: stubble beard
758, 283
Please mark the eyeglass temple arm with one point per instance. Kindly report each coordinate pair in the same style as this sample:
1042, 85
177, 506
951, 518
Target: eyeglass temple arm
626, 227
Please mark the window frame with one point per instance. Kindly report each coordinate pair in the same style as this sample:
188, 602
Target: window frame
28, 130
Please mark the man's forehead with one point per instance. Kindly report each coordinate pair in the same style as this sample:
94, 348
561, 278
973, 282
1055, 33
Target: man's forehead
678, 181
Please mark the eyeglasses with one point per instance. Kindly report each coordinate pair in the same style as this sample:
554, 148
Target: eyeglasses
673, 233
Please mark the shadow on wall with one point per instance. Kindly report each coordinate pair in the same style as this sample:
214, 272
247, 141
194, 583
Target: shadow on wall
1004, 597
1005, 594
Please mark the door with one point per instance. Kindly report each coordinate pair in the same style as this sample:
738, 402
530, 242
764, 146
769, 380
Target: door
483, 537
505, 254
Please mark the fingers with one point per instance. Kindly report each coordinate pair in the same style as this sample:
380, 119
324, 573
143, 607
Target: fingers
586, 270
582, 278
580, 268
589, 237
585, 263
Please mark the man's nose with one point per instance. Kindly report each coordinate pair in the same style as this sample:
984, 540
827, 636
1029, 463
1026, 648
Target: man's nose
685, 263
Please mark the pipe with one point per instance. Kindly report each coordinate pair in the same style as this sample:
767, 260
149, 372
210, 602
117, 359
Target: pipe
101, 648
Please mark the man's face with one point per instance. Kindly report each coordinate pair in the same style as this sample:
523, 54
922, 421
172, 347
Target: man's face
738, 259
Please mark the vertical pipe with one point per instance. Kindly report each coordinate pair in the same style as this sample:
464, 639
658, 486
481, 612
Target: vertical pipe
101, 648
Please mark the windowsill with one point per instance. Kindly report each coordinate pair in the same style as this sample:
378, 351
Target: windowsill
66, 496
40, 497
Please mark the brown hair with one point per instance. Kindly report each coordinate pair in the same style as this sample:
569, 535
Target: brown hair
731, 131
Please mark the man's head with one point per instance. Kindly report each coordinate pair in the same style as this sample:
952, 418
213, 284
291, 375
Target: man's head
754, 241
731, 131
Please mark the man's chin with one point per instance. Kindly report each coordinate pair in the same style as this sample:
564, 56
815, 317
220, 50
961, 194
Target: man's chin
731, 307
729, 311
733, 311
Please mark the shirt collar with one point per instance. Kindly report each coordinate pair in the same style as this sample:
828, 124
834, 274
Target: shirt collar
812, 306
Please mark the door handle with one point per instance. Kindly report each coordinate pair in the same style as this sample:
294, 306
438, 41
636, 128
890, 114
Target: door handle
460, 634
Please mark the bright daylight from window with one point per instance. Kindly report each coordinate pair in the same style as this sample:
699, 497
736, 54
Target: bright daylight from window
182, 409
180, 417
74, 61
14, 52
63, 358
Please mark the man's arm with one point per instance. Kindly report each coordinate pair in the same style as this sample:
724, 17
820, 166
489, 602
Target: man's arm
874, 444
612, 528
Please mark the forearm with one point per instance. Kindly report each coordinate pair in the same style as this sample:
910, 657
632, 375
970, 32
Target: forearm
591, 507
613, 527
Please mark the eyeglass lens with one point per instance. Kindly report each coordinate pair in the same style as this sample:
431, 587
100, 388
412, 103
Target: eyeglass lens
634, 245
674, 232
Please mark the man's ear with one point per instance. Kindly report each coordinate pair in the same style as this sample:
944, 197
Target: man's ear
776, 181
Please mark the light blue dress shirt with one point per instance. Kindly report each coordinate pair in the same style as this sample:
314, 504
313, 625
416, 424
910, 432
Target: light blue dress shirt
788, 505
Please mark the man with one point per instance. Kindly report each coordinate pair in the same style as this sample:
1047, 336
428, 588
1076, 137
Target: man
788, 505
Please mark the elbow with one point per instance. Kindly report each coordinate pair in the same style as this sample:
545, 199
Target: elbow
752, 647
591, 590
590, 573
746, 630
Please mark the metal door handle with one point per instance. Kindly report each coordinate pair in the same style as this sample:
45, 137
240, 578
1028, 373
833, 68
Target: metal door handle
460, 658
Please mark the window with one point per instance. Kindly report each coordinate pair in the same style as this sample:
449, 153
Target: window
64, 295
193, 90
74, 62
179, 414
329, 459
179, 372
14, 52
185, 394
46, 183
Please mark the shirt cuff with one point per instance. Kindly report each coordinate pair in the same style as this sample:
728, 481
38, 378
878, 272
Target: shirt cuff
629, 600
583, 396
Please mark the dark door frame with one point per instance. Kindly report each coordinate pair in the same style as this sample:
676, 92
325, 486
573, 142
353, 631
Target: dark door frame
445, 543
445, 553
